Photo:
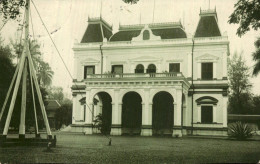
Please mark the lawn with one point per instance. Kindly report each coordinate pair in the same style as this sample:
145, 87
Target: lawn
79, 148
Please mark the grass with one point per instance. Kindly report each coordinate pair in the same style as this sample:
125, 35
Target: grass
77, 148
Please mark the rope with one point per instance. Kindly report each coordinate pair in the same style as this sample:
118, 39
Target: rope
60, 55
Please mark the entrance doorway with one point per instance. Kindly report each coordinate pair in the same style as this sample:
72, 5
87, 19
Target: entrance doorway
162, 119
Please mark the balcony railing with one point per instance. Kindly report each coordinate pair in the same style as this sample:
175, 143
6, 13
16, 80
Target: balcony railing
134, 75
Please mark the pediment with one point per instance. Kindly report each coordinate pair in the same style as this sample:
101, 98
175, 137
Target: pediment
145, 59
207, 57
89, 60
207, 100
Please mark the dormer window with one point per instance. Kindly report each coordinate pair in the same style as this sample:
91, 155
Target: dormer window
146, 35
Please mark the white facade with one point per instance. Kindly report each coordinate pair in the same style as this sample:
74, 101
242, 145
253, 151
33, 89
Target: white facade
188, 103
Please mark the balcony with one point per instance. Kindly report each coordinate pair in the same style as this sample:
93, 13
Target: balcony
134, 80
112, 76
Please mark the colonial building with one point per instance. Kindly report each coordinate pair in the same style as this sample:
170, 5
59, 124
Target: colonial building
150, 79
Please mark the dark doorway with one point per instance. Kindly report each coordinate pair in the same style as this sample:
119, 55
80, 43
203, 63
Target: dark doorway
132, 114
106, 116
162, 114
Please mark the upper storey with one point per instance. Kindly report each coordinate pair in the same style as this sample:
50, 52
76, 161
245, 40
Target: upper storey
208, 24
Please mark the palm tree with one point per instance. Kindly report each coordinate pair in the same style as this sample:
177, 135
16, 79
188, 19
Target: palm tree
44, 74
256, 57
43, 70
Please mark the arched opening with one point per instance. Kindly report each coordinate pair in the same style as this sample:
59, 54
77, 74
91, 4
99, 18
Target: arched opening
132, 113
146, 35
102, 112
162, 113
151, 68
139, 68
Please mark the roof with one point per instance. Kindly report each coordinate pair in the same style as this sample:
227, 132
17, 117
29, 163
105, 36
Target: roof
52, 105
125, 35
208, 25
93, 32
168, 30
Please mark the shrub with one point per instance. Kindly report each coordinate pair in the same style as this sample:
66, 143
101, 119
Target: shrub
240, 131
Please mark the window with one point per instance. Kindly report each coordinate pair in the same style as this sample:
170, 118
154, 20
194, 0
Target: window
139, 68
206, 71
146, 35
207, 114
174, 67
151, 69
89, 70
118, 69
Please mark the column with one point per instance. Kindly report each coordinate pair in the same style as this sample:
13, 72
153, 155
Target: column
88, 113
199, 113
214, 70
224, 108
214, 113
88, 116
116, 115
224, 66
177, 129
147, 115
189, 65
199, 70
74, 105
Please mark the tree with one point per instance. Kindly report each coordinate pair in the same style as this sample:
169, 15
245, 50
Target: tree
43, 69
56, 93
256, 57
63, 114
247, 15
240, 96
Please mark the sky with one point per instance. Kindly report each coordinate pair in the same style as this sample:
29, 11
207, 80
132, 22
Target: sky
66, 20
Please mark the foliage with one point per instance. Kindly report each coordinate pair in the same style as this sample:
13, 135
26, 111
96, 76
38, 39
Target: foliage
56, 93
246, 14
256, 57
63, 114
43, 70
256, 104
100, 124
11, 9
239, 85
131, 1
240, 131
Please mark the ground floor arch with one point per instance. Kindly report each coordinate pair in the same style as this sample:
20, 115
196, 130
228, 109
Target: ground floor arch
162, 113
102, 111
131, 113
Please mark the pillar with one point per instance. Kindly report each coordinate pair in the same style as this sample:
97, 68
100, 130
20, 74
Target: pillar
214, 113
147, 108
116, 115
189, 65
199, 113
224, 108
214, 70
88, 113
224, 60
88, 116
116, 119
177, 129
198, 70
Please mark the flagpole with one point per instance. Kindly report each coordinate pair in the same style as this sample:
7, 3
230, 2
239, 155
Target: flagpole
153, 9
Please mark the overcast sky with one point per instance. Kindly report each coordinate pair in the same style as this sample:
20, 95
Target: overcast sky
67, 21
